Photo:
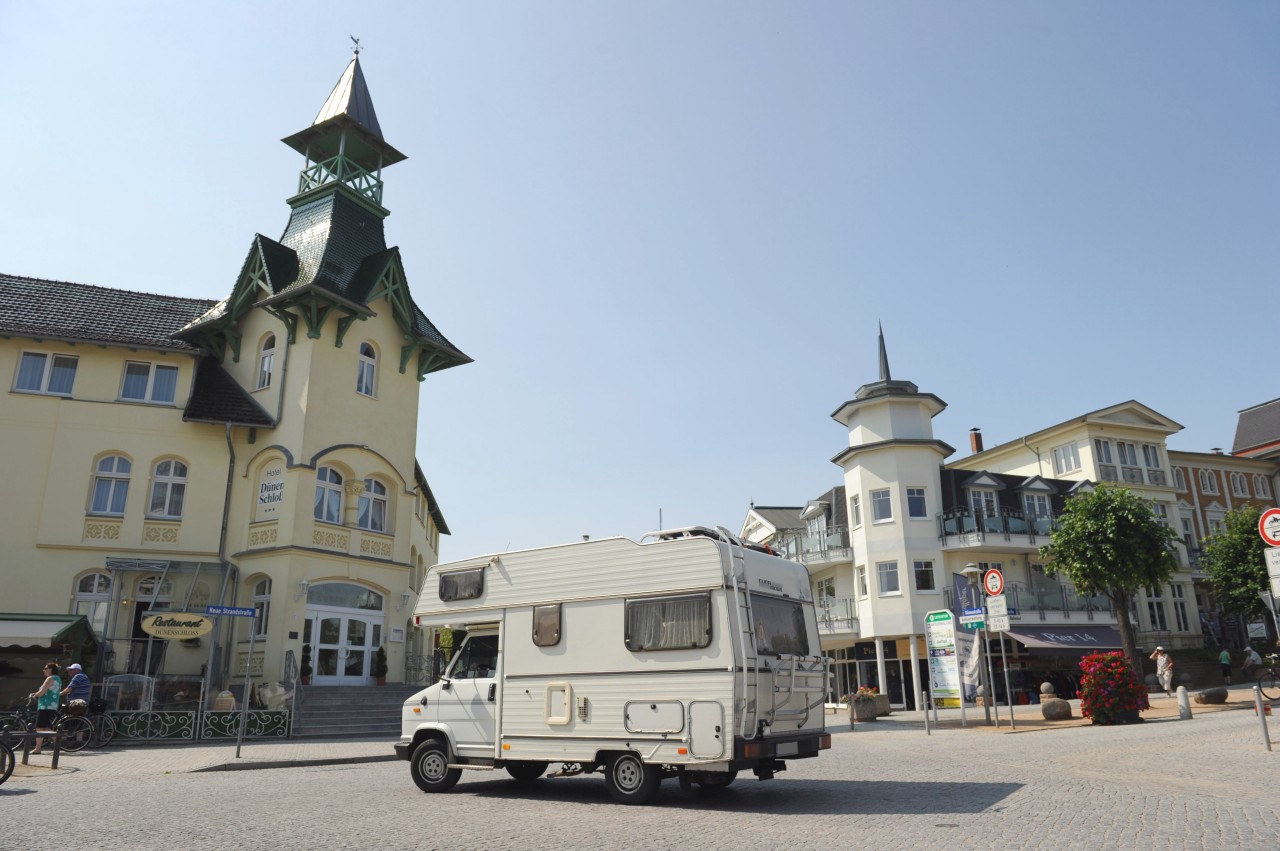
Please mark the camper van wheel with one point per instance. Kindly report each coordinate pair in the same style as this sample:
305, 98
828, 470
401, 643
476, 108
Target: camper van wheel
631, 781
430, 768
712, 780
526, 772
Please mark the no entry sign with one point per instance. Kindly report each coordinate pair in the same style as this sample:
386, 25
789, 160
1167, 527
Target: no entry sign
1269, 526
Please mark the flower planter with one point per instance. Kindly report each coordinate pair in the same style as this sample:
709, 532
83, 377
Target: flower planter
863, 710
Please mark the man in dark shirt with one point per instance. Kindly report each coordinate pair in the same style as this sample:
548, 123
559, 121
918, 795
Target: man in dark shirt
78, 688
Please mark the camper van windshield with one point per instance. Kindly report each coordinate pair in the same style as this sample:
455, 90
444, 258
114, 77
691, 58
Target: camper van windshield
780, 628
478, 659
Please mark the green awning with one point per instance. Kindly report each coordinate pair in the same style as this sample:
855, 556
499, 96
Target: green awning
44, 631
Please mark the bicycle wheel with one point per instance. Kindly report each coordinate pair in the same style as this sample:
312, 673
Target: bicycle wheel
76, 732
6, 762
10, 724
104, 730
1269, 684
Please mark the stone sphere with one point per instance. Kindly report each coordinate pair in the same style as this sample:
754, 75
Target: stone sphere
1047, 688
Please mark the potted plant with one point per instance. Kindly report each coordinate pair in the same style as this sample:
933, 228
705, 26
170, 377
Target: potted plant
1111, 692
304, 671
862, 704
380, 666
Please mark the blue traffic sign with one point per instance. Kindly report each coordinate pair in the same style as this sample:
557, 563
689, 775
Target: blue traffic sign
976, 611
234, 611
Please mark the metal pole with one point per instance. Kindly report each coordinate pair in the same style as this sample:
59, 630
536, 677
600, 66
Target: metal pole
924, 695
991, 678
1008, 692
1262, 716
248, 670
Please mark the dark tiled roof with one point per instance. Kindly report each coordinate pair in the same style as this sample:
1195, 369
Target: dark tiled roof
332, 235
953, 482
34, 307
433, 507
217, 398
1257, 427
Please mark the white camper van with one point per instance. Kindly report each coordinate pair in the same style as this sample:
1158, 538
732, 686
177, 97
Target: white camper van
687, 655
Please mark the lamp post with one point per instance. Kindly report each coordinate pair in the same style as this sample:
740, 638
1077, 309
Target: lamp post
973, 574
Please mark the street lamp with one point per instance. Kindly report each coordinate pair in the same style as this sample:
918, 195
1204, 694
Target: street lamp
973, 574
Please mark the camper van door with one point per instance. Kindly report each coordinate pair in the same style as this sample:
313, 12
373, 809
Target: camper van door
467, 706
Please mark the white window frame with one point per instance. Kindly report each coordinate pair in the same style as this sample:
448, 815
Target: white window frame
855, 511
1209, 482
1180, 619
917, 498
1261, 486
1032, 503
50, 362
328, 482
1239, 485
1179, 480
1151, 456
169, 483
861, 574
266, 361
887, 574
1102, 449
881, 499
1128, 453
367, 371
261, 608
149, 391
112, 471
94, 601
1066, 459
372, 513
924, 567
1161, 511
984, 500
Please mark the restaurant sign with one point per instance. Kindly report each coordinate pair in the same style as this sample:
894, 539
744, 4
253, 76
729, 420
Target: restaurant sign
177, 625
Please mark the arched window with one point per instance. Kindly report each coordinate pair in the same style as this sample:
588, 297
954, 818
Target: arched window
93, 597
168, 489
110, 485
367, 370
1261, 486
266, 359
373, 506
328, 495
155, 592
261, 607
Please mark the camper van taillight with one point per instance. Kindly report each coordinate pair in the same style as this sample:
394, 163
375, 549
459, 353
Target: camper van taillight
417, 620
752, 750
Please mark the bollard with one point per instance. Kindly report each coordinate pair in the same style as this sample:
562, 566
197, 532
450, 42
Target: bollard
1184, 704
924, 702
1262, 716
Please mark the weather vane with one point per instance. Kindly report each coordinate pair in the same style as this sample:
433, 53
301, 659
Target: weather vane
356, 42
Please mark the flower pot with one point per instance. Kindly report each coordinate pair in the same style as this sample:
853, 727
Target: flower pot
862, 710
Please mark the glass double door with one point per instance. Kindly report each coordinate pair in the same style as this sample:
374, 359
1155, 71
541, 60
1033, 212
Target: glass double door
344, 644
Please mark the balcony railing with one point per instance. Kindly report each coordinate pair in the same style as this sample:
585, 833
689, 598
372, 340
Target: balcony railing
1132, 475
976, 526
1044, 597
826, 546
836, 615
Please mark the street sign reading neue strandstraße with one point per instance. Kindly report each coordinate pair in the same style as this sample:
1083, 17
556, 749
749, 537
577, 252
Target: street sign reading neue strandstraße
234, 611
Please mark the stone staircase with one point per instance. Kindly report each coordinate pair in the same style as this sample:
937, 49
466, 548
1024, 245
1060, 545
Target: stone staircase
350, 711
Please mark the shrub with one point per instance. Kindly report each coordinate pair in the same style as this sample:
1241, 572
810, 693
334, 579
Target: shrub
1110, 688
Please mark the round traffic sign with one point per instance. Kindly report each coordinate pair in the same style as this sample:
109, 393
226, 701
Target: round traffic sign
993, 581
1269, 526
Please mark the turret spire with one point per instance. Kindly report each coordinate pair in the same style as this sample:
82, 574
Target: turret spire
884, 357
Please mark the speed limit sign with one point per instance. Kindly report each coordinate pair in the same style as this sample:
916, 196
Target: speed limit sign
993, 581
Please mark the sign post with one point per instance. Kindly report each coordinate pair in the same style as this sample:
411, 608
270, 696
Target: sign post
240, 612
944, 665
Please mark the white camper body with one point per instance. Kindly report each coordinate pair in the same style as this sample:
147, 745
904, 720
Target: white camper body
690, 655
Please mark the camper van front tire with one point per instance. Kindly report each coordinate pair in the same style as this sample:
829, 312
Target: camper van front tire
631, 781
429, 766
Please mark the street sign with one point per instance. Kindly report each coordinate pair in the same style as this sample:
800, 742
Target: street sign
998, 623
993, 581
972, 618
234, 611
997, 606
1269, 526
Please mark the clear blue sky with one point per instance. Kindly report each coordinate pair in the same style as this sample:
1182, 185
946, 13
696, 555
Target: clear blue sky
666, 230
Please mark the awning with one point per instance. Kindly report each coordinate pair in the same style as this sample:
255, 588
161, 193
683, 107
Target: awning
1067, 640
41, 631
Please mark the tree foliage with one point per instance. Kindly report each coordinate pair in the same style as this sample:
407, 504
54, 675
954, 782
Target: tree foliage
1108, 541
1234, 562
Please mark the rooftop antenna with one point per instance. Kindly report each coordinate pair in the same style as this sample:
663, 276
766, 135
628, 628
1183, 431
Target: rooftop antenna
356, 42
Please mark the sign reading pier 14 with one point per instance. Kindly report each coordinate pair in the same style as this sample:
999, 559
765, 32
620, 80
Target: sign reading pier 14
1269, 527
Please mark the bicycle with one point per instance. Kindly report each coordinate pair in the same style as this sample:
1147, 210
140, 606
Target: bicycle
1269, 679
104, 727
74, 731
7, 762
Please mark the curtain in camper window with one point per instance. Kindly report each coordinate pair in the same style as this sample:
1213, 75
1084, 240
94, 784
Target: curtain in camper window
780, 628
669, 623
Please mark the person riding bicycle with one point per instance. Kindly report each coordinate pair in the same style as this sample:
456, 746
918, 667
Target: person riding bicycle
79, 687
1252, 662
47, 702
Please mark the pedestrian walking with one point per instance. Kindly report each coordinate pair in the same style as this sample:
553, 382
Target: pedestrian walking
1252, 662
79, 687
1164, 670
1224, 659
46, 702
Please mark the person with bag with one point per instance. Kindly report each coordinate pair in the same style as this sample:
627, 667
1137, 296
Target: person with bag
47, 702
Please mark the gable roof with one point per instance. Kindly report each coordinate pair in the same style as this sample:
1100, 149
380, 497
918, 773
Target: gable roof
1132, 413
1258, 430
61, 310
216, 397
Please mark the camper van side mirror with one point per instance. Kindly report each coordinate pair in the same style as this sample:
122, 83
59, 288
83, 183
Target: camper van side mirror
445, 685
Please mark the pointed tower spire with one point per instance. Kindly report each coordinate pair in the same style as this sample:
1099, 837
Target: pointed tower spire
344, 145
884, 357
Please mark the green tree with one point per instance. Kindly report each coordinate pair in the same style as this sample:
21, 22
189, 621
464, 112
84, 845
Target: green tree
1108, 541
1235, 564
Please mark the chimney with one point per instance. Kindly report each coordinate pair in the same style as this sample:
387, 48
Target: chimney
1217, 450
975, 440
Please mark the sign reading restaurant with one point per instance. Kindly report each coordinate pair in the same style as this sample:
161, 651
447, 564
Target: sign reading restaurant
177, 625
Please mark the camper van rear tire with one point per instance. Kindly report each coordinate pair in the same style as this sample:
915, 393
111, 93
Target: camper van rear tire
631, 781
712, 780
526, 772
429, 766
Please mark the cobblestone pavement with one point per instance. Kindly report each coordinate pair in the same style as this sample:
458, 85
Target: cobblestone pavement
1207, 782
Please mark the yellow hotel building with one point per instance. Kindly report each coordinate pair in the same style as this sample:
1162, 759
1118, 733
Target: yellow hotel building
173, 453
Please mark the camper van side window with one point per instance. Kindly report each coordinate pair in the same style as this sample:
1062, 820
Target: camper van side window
669, 623
546, 625
462, 584
780, 628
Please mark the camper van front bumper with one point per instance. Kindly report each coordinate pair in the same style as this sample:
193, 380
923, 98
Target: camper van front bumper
748, 752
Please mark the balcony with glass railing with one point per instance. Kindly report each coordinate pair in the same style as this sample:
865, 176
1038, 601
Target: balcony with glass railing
1044, 599
962, 528
837, 616
1130, 475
